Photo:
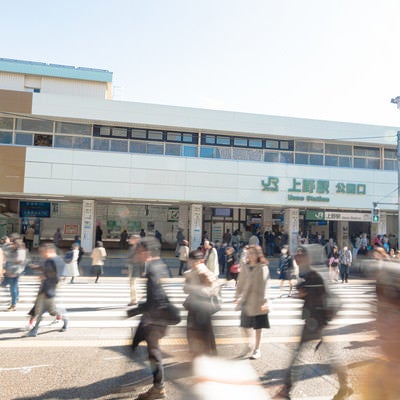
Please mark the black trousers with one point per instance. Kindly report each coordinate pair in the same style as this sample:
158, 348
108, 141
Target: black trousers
152, 334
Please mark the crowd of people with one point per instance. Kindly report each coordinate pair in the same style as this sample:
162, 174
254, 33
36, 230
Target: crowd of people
244, 263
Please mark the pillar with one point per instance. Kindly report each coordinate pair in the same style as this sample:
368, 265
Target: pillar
88, 228
291, 227
195, 226
343, 238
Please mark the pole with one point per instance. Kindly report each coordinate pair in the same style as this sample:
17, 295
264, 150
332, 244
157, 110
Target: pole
398, 189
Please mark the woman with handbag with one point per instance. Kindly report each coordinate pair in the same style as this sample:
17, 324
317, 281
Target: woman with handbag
200, 285
252, 298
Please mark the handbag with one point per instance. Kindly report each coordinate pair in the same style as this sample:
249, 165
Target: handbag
207, 304
169, 313
235, 269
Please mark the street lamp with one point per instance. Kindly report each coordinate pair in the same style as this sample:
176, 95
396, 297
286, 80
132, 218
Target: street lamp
396, 100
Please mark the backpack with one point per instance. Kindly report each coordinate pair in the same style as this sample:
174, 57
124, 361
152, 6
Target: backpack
69, 255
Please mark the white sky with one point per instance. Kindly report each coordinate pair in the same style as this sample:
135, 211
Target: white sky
325, 59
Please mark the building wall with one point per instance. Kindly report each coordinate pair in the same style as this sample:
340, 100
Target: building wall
69, 87
90, 174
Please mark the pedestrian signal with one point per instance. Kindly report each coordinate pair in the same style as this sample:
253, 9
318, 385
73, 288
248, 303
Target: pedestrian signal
375, 215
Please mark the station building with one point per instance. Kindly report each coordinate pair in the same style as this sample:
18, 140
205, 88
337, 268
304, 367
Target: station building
73, 158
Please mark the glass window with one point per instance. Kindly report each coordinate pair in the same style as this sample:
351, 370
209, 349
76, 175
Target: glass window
270, 156
208, 152
119, 132
316, 159
172, 149
286, 158
187, 138
139, 134
138, 147
366, 151
6, 137
247, 154
6, 123
301, 158
190, 151
224, 140
373, 163
240, 142
119, 145
63, 141
209, 139
25, 139
68, 127
155, 135
155, 148
101, 144
105, 131
174, 137
272, 144
79, 142
341, 149
331, 161
310, 147
390, 153
43, 140
255, 143
390, 165
345, 162
34, 125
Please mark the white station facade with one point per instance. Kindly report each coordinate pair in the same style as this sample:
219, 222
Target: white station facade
73, 158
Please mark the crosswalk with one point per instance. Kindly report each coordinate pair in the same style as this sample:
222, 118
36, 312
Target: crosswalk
103, 305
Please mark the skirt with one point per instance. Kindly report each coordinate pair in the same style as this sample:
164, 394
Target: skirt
254, 321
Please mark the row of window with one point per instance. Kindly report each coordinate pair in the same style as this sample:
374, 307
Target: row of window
150, 141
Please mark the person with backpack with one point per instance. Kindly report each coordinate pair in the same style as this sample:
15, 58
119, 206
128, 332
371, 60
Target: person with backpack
319, 308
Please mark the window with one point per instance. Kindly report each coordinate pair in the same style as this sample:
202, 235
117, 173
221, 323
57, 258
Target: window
255, 143
190, 151
209, 139
272, 144
240, 142
6, 123
69, 127
155, 135
390, 165
341, 149
209, 152
247, 154
138, 147
390, 153
80, 142
43, 140
301, 158
189, 138
310, 147
316, 159
286, 157
63, 141
174, 137
270, 156
138, 134
366, 151
101, 144
223, 140
155, 148
119, 145
172, 149
368, 163
5, 137
37, 125
25, 139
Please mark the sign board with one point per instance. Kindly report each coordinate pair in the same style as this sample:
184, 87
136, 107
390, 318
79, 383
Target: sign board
37, 209
347, 216
87, 225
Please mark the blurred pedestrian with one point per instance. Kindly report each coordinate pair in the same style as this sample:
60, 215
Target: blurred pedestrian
135, 268
200, 284
29, 237
57, 237
98, 256
334, 262
183, 256
286, 269
123, 240
211, 257
313, 291
152, 328
15, 253
346, 259
46, 299
251, 298
71, 267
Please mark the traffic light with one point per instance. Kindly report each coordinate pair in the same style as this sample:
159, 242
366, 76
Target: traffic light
375, 215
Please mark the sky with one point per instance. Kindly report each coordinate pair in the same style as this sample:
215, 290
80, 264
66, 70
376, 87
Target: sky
335, 60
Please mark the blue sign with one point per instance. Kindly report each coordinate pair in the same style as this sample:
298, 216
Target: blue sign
28, 209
